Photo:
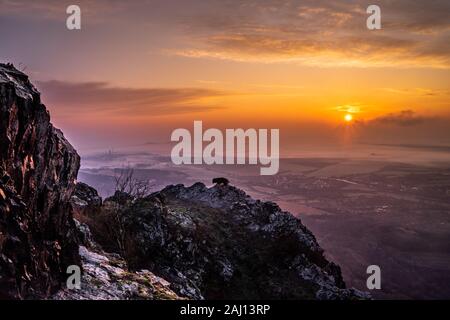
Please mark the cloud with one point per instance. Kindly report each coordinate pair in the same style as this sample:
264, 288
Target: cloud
349, 108
405, 126
86, 97
418, 91
403, 118
415, 33
339, 51
327, 33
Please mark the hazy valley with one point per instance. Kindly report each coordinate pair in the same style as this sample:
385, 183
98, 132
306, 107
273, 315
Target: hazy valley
363, 210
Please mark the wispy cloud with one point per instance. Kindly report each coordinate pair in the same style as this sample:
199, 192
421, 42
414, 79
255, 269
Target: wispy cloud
415, 33
406, 126
325, 33
404, 118
99, 96
349, 108
417, 91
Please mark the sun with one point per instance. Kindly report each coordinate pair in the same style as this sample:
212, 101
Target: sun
348, 117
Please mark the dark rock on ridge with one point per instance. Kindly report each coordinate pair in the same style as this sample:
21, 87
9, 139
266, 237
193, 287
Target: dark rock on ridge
219, 243
106, 276
86, 205
85, 200
38, 168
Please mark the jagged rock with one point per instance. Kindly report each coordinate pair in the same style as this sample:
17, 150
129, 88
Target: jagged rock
219, 243
84, 235
120, 197
106, 277
86, 198
222, 181
38, 168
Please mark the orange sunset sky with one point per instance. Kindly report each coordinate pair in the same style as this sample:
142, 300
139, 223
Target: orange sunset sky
139, 69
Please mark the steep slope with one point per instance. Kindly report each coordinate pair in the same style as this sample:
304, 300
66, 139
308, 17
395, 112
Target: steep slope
106, 276
209, 243
219, 243
38, 168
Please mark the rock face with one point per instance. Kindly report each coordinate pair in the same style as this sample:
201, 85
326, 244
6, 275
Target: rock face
106, 277
38, 168
219, 243
85, 200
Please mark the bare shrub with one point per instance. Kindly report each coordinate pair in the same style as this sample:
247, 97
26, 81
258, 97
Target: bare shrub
108, 225
127, 183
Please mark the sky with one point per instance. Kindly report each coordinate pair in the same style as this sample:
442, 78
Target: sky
137, 70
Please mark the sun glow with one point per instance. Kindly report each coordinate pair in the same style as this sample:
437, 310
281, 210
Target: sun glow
348, 117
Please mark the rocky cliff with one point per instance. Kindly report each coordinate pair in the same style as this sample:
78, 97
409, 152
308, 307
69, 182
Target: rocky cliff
219, 243
106, 276
38, 170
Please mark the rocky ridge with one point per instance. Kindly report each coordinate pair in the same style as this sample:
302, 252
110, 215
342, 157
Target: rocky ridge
106, 277
38, 170
219, 243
